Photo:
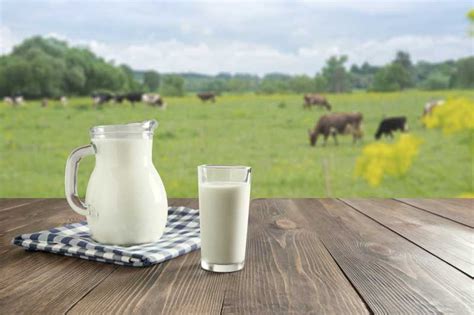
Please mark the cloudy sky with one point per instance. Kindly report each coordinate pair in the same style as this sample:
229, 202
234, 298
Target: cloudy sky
244, 36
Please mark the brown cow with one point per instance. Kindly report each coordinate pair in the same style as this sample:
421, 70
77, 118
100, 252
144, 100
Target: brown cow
337, 123
207, 96
316, 100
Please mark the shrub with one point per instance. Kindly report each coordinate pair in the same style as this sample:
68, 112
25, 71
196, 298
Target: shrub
453, 116
379, 159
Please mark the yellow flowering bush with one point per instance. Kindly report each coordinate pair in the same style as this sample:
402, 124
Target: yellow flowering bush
453, 116
379, 159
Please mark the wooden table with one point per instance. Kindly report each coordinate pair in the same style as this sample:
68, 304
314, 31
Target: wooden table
319, 256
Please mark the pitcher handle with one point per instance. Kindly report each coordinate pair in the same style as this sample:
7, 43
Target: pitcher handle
72, 166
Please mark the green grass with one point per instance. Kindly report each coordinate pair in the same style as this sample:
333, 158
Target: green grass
268, 133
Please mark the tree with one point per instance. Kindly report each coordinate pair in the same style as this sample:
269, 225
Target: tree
151, 80
320, 83
274, 83
389, 78
301, 84
337, 78
436, 80
463, 77
172, 85
403, 59
132, 85
362, 76
47, 67
396, 76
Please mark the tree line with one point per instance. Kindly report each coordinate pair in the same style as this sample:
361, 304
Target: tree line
48, 67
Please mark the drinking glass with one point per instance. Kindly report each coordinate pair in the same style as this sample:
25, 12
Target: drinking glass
224, 198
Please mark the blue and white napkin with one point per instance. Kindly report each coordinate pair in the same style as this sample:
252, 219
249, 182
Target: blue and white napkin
181, 236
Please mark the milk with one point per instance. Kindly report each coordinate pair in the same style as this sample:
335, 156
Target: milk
224, 211
125, 193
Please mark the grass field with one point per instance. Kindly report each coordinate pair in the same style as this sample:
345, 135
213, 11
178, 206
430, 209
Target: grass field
268, 133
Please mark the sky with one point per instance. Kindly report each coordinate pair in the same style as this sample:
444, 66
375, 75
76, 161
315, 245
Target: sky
258, 37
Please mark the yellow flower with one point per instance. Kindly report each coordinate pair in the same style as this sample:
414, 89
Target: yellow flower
453, 116
378, 159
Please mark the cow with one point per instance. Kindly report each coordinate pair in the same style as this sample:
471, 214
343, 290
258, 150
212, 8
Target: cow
430, 106
8, 100
119, 98
44, 102
315, 100
18, 100
388, 125
63, 100
14, 100
337, 123
207, 96
101, 98
154, 99
134, 97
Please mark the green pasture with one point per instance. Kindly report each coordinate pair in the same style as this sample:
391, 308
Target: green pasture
267, 132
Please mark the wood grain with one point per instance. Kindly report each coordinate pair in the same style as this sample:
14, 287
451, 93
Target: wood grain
448, 240
34, 282
287, 270
459, 210
178, 286
303, 256
11, 203
33, 217
392, 275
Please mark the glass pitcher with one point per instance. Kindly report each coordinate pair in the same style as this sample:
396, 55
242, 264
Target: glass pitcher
125, 201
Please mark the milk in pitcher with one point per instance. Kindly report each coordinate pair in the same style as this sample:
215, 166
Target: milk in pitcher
126, 201
128, 207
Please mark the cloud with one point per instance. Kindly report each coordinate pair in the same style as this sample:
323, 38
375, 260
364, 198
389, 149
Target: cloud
239, 56
7, 40
236, 56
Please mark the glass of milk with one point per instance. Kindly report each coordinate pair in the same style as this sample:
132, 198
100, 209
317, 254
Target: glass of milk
224, 198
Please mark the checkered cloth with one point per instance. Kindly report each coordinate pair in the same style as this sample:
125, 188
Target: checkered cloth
181, 236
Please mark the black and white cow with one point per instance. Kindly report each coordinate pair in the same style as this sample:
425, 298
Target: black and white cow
388, 125
154, 99
101, 98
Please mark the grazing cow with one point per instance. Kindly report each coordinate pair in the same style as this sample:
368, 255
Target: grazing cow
337, 123
18, 100
8, 100
388, 125
316, 100
101, 98
134, 97
119, 98
154, 99
207, 96
63, 100
431, 105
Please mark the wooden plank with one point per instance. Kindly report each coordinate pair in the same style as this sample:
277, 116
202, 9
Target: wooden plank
12, 203
448, 240
34, 282
391, 274
13, 259
41, 215
459, 210
178, 286
287, 270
